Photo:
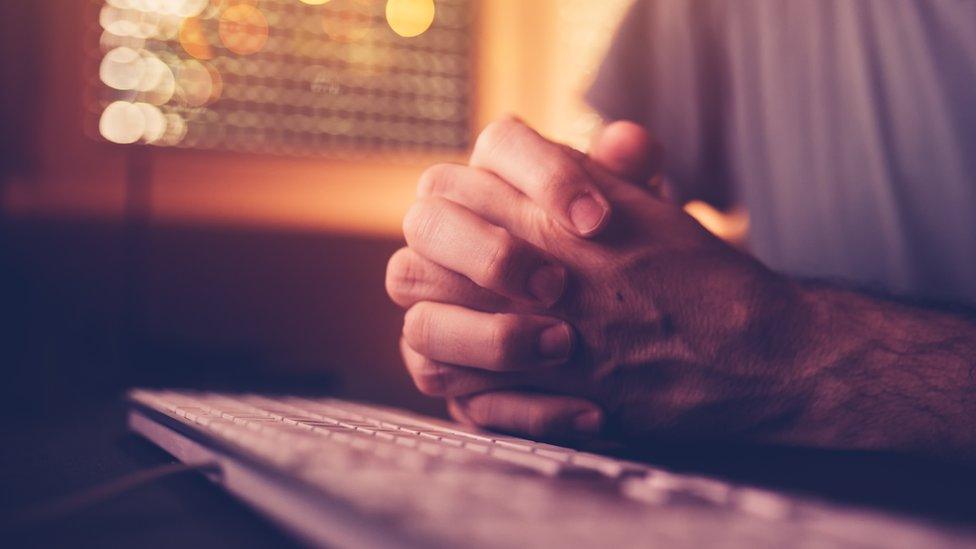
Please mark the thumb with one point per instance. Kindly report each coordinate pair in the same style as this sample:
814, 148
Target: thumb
628, 151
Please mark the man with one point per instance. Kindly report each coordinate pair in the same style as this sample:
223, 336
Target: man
551, 293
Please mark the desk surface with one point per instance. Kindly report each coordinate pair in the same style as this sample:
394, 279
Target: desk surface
47, 457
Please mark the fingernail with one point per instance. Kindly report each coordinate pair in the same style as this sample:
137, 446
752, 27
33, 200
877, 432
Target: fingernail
547, 284
586, 214
588, 422
556, 341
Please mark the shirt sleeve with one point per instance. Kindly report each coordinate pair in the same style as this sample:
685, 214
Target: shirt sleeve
665, 70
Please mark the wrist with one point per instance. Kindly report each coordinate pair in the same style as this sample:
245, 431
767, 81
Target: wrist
881, 375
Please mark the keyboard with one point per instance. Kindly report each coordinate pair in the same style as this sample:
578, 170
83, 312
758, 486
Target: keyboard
339, 473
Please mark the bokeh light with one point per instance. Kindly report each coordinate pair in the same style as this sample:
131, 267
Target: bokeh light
122, 122
243, 29
410, 18
154, 123
195, 83
186, 8
121, 68
175, 130
163, 92
153, 73
193, 39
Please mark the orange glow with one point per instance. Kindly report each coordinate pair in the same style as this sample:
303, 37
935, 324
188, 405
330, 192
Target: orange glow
193, 40
308, 194
243, 29
409, 18
732, 226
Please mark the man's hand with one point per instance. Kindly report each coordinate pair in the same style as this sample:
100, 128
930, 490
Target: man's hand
653, 320
646, 323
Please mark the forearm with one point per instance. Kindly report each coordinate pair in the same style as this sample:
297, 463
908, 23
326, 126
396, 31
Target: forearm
886, 375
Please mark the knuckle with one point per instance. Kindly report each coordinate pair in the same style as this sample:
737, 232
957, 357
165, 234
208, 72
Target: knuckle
435, 180
542, 423
421, 221
550, 233
403, 276
418, 327
482, 408
413, 219
500, 261
537, 424
559, 178
430, 378
505, 338
457, 409
494, 134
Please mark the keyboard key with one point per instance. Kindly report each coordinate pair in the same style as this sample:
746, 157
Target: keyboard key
762, 503
541, 464
520, 446
606, 466
551, 454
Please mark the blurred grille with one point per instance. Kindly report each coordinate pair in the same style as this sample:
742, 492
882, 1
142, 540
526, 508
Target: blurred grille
301, 77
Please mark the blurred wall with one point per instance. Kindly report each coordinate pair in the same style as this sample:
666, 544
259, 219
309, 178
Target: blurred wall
219, 264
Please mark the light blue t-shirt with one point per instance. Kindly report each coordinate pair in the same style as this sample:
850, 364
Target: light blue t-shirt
847, 128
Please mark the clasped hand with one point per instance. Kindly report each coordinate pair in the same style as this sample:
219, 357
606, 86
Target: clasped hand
555, 294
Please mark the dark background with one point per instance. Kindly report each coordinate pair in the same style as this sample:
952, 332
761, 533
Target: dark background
87, 311
85, 315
